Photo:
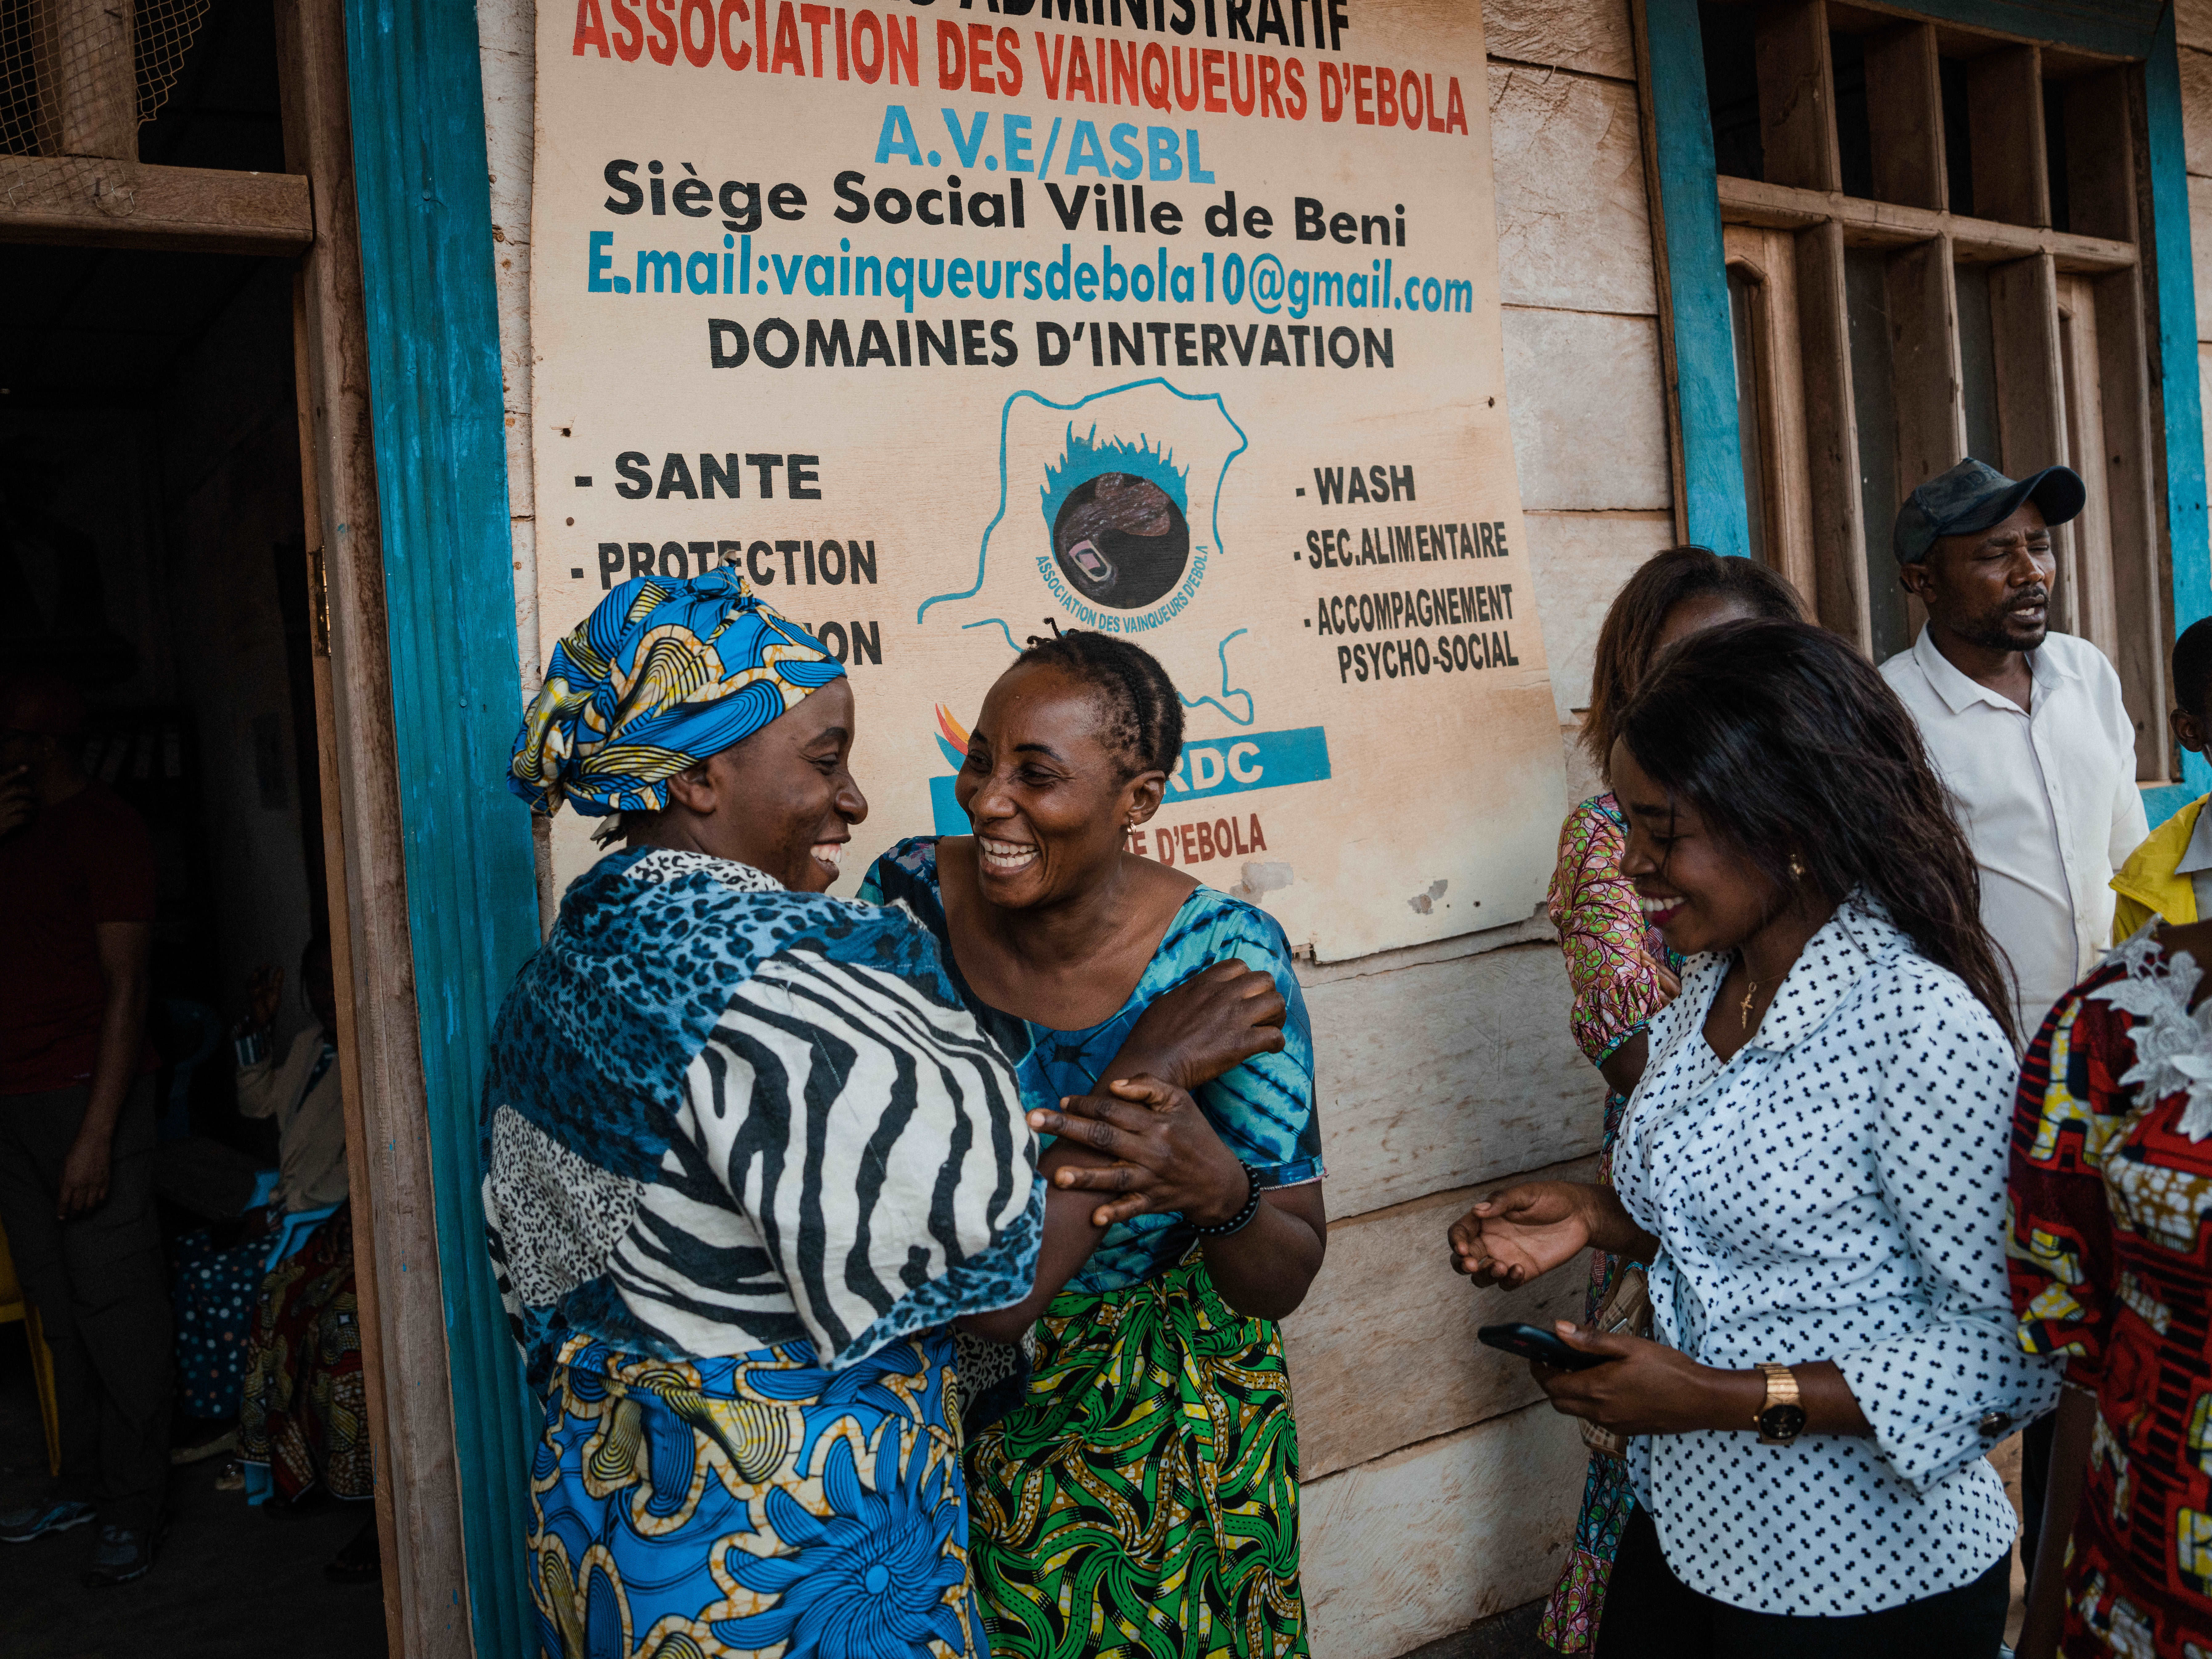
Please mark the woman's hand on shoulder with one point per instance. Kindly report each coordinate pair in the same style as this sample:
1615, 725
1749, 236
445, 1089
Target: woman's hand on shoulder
1512, 1236
1164, 1156
1210, 1024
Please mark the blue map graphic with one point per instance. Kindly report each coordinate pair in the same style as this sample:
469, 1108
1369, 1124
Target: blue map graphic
1155, 432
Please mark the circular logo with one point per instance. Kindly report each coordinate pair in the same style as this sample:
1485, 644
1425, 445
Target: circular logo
1120, 541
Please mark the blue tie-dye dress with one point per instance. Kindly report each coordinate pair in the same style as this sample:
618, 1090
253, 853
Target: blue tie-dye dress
1141, 1495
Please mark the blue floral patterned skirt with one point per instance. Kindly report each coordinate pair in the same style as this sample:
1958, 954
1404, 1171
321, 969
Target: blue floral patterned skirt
684, 1507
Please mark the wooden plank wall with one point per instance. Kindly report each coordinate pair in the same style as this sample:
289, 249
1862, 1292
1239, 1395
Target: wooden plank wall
1448, 1070
1446, 1073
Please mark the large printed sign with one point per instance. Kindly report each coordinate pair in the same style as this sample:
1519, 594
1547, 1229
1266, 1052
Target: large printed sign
953, 327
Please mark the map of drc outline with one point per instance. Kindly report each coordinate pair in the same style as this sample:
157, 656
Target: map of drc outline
1150, 429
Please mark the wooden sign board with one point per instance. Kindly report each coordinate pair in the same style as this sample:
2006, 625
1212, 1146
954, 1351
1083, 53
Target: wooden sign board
951, 327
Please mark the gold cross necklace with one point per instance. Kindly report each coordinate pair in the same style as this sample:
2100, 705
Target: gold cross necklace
1744, 1008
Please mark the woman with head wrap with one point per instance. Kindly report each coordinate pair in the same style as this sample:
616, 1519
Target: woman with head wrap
745, 1156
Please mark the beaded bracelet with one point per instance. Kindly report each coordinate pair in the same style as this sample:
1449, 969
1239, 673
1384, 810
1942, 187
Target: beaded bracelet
1242, 1218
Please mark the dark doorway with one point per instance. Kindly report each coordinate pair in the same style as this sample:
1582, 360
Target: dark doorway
152, 551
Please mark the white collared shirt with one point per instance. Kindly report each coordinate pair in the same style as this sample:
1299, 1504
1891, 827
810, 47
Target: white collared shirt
1835, 1191
2047, 797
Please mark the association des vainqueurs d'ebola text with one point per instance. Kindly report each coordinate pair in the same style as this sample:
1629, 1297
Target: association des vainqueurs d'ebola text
1096, 178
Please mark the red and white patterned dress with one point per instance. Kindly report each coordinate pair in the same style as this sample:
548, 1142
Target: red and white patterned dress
2110, 1190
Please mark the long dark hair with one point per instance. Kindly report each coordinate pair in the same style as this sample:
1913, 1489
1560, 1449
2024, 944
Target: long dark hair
1630, 636
1792, 748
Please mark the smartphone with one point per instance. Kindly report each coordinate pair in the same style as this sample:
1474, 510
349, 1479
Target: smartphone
1534, 1342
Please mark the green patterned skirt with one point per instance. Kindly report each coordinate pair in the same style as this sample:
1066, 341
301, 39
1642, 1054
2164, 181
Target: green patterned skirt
1143, 1498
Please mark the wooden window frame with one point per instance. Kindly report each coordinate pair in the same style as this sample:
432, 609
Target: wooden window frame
1768, 259
2135, 282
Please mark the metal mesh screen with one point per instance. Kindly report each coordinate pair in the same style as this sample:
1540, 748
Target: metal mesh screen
19, 85
57, 56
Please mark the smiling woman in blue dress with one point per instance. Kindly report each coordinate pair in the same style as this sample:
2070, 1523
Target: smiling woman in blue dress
1813, 1165
1141, 1495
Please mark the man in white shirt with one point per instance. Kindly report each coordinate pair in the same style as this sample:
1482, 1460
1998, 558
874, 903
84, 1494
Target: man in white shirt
2028, 732
2027, 727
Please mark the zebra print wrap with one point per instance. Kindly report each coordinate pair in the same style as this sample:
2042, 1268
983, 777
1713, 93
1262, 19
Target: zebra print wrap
719, 1115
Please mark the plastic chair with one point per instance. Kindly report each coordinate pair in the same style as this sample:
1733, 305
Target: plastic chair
293, 1233
15, 1305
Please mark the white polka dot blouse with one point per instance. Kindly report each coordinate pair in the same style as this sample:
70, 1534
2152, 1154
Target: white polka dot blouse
1835, 1191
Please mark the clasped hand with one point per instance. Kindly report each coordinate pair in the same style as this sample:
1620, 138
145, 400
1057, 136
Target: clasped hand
1209, 1025
1165, 1156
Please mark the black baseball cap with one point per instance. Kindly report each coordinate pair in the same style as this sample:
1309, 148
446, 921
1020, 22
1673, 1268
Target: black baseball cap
1973, 496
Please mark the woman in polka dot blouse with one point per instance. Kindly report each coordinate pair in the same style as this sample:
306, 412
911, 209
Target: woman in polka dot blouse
1814, 1167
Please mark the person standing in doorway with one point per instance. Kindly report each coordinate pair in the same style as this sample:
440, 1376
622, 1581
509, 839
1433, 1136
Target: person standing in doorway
76, 1125
2028, 732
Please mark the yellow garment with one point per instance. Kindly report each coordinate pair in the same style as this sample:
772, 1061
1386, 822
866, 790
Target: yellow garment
2147, 884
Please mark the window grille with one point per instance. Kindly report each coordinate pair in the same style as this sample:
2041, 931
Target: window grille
1932, 243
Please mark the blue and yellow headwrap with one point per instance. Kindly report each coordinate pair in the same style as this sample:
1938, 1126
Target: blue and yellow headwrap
662, 674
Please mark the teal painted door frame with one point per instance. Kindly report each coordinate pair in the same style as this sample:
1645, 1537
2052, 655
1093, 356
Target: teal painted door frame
2176, 282
1697, 278
421, 181
1714, 512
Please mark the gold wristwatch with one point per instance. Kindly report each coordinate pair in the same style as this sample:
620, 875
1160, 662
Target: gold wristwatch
1781, 1417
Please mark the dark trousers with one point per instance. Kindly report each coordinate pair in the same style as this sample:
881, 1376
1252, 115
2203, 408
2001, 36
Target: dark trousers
205, 1177
2034, 1481
1651, 1615
98, 1283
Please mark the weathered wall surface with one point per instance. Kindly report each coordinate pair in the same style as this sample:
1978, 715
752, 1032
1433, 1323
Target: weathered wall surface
1437, 1492
1443, 1077
2193, 31
506, 31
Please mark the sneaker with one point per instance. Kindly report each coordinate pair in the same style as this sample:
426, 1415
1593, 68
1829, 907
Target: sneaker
198, 1450
121, 1554
36, 1521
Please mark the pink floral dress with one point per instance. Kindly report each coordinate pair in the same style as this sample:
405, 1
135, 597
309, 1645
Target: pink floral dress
1621, 973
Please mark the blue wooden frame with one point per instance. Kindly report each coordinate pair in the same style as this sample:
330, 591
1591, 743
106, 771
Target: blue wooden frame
1714, 512
2168, 233
1697, 278
421, 179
